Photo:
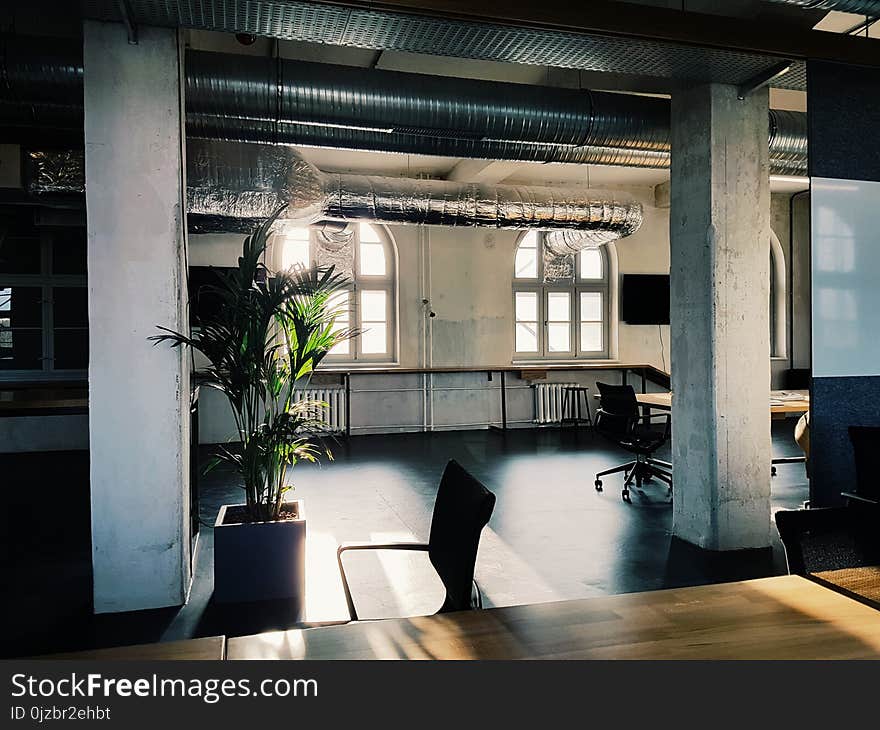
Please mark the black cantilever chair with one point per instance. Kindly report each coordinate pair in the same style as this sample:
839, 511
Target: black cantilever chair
830, 538
618, 419
461, 511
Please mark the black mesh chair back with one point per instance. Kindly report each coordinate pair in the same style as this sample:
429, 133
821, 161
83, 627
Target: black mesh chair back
866, 445
830, 538
461, 511
618, 410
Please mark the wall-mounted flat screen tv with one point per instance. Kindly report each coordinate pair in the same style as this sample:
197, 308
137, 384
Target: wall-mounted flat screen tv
644, 299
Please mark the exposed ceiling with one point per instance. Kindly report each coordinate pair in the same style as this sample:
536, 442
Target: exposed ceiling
453, 168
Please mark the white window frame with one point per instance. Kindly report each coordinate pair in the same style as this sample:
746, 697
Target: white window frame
361, 282
47, 282
536, 284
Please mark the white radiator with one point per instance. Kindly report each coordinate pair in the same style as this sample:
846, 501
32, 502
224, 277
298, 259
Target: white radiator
549, 398
333, 413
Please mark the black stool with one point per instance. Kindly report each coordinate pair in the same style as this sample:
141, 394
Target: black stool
573, 415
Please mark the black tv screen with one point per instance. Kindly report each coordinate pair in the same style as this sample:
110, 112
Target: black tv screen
645, 299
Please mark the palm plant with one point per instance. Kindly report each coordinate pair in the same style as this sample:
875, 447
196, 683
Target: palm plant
262, 344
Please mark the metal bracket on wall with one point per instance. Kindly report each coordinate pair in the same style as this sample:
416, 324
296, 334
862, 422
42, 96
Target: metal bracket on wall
762, 79
128, 21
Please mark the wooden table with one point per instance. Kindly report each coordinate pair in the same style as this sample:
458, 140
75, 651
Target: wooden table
780, 401
773, 618
43, 401
210, 647
863, 583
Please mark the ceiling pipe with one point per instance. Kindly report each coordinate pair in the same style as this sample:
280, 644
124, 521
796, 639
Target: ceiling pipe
264, 100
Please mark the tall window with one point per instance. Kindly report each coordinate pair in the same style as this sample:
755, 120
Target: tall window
370, 302
559, 320
43, 300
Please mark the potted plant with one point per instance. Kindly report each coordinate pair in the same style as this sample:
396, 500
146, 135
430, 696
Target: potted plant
263, 344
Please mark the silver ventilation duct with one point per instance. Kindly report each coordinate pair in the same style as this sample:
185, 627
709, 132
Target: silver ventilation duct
861, 7
228, 179
250, 99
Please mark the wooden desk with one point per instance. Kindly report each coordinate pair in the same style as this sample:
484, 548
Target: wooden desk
663, 401
211, 647
861, 582
773, 618
43, 401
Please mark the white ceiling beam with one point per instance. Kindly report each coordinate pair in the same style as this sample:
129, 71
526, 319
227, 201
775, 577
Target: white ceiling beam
489, 172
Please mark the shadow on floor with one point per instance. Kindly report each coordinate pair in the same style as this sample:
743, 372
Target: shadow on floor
552, 537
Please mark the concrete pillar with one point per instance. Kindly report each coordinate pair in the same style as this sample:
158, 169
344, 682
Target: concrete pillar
719, 232
138, 393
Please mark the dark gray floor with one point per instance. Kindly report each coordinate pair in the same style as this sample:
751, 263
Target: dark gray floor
552, 537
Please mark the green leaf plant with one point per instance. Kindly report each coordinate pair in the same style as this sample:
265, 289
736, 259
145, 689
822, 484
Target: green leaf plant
263, 344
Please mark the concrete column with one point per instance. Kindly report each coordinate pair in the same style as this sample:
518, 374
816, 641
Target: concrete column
138, 393
720, 232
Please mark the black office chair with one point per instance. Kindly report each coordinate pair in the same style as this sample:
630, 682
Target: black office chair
618, 419
829, 538
866, 444
461, 511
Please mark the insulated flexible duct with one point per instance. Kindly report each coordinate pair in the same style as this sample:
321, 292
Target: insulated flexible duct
231, 186
229, 179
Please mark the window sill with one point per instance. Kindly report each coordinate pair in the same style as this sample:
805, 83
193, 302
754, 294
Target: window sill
582, 361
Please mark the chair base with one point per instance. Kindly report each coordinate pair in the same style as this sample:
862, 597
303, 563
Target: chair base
643, 469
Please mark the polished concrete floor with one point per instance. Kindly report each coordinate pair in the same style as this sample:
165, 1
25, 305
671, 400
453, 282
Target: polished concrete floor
551, 537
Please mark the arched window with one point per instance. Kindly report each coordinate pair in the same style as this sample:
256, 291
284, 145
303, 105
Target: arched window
370, 303
562, 315
777, 298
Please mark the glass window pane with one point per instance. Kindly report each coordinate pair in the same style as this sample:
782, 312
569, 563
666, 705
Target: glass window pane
339, 306
526, 264
591, 306
373, 306
25, 305
530, 240
591, 336
527, 306
368, 233
558, 306
374, 338
372, 261
591, 264
559, 337
19, 254
69, 251
526, 336
71, 349
296, 249
21, 349
70, 306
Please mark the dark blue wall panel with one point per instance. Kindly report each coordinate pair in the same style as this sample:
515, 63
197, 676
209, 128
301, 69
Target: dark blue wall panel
836, 404
843, 111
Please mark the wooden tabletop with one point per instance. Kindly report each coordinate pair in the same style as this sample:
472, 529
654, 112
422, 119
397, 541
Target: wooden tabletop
786, 617
209, 647
27, 400
862, 582
781, 401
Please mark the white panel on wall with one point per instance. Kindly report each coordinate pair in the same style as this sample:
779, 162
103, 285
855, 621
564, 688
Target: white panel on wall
845, 275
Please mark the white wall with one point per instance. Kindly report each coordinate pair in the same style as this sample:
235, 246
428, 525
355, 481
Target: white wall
466, 274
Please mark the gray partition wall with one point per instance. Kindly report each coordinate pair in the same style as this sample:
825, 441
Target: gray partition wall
844, 138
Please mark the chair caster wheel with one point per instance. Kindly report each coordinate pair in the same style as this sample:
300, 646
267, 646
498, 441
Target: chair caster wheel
598, 485
625, 496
